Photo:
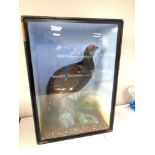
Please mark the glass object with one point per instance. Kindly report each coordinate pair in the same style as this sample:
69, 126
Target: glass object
72, 66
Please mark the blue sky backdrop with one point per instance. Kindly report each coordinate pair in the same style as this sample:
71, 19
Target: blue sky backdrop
57, 43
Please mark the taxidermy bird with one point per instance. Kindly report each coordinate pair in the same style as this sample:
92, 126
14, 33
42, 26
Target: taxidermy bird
64, 111
73, 77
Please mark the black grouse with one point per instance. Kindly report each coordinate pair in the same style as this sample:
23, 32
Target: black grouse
73, 77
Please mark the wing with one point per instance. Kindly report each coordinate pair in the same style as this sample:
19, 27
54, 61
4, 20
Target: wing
68, 79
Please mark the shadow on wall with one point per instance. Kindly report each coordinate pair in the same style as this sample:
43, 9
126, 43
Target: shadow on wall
126, 96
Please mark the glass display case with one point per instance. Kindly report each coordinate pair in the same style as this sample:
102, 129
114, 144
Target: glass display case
73, 68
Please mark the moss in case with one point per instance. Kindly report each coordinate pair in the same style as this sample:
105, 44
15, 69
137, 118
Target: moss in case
72, 114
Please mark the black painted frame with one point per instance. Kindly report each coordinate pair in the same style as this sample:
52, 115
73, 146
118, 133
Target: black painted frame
25, 20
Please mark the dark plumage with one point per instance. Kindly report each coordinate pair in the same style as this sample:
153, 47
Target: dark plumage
75, 76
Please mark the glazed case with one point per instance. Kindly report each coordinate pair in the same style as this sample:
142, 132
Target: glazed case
73, 67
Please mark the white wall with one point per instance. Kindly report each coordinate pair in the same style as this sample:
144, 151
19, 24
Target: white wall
122, 9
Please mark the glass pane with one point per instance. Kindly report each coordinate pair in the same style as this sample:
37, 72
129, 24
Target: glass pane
73, 69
